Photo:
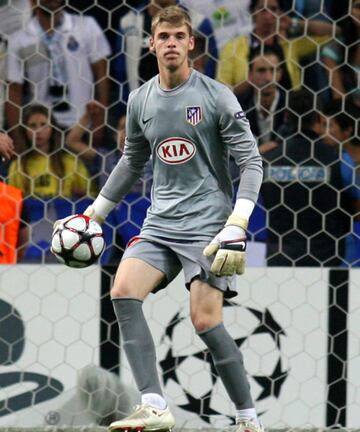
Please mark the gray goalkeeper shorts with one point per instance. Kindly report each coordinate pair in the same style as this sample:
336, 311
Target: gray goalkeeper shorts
171, 256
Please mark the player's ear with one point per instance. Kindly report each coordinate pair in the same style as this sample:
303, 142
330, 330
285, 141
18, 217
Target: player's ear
151, 44
191, 43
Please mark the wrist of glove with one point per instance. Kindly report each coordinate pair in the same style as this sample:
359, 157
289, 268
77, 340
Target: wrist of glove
90, 212
229, 248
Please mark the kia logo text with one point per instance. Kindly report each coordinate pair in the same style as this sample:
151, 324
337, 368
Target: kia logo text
175, 151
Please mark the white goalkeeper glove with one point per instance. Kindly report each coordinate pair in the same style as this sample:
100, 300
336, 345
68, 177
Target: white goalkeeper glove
91, 213
59, 221
98, 211
229, 246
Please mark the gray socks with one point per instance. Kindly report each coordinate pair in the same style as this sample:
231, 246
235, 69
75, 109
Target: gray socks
138, 344
229, 364
140, 351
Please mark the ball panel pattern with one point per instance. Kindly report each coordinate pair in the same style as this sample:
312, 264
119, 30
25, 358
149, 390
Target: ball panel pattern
78, 241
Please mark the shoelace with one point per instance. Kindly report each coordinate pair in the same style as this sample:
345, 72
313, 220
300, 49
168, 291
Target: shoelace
140, 412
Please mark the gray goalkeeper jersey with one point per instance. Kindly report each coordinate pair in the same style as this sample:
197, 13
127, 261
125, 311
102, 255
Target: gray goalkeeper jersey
188, 131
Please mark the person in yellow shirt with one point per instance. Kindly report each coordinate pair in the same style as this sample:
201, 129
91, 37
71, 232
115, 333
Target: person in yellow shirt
294, 37
46, 170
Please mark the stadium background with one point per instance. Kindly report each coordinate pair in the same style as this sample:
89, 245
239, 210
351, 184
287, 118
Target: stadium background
298, 327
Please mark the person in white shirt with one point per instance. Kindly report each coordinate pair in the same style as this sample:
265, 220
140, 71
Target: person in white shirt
60, 57
13, 15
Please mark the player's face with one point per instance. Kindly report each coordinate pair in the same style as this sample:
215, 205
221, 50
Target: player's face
171, 46
39, 131
265, 15
265, 73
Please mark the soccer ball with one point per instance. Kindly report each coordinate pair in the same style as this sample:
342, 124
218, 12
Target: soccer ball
77, 241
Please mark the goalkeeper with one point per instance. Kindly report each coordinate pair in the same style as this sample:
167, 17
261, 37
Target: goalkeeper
188, 123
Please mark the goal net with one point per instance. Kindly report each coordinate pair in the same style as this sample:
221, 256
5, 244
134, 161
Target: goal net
293, 67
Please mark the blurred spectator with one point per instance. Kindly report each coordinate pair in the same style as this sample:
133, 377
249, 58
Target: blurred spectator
342, 134
80, 141
6, 147
309, 206
76, 141
45, 170
52, 181
229, 18
264, 102
13, 230
135, 64
275, 29
13, 16
314, 73
107, 13
315, 9
199, 56
69, 50
100, 161
342, 57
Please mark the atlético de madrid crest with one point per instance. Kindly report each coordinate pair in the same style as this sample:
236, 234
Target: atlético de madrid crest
194, 115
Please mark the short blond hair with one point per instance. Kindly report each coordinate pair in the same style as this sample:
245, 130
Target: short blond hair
174, 15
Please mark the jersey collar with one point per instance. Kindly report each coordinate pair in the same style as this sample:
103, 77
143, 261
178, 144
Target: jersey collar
177, 89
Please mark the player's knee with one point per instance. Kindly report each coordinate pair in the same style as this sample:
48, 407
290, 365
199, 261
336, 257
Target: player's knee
121, 290
202, 321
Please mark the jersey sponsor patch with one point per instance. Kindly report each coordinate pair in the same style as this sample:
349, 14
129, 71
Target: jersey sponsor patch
175, 150
240, 115
282, 174
194, 115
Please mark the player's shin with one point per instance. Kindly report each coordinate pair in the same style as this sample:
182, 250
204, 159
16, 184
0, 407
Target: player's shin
152, 415
138, 344
230, 366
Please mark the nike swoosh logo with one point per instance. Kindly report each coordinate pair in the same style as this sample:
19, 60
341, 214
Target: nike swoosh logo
147, 120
